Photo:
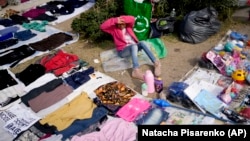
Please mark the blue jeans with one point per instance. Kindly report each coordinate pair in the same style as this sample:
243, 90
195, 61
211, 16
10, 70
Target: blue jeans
82, 124
153, 116
132, 50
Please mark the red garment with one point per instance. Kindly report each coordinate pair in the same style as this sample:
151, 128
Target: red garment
110, 27
59, 63
33, 13
245, 112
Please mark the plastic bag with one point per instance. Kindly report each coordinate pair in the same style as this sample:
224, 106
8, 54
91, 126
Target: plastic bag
158, 47
197, 26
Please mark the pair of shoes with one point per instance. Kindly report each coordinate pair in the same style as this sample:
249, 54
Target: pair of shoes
157, 65
138, 74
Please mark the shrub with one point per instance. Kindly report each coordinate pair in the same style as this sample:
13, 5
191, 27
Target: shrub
88, 25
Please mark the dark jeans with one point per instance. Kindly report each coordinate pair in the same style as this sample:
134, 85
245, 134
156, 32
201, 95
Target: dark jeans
79, 78
24, 35
153, 117
80, 125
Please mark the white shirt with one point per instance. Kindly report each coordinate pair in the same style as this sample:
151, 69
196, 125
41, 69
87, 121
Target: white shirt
129, 40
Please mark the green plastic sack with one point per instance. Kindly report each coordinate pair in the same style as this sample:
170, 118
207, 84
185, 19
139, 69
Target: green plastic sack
142, 12
158, 47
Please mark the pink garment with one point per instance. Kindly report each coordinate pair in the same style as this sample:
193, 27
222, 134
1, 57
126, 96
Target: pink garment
133, 108
110, 27
113, 130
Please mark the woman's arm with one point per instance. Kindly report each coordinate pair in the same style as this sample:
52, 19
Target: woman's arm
129, 20
109, 25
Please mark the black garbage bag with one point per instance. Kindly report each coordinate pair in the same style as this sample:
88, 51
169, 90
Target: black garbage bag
197, 26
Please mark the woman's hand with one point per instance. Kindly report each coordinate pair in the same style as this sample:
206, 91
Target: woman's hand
120, 21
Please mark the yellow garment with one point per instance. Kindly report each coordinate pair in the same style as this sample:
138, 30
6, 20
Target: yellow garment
80, 107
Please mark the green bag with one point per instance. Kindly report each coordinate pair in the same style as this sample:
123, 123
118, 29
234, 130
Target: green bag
157, 47
142, 12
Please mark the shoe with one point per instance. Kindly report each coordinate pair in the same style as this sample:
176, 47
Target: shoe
138, 74
157, 66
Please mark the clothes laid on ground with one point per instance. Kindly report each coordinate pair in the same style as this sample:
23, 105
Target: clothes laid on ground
53, 41
82, 124
45, 17
79, 78
44, 88
59, 62
152, 116
33, 13
9, 94
18, 19
47, 99
24, 35
8, 43
6, 22
38, 26
30, 73
112, 130
133, 108
14, 56
10, 29
8, 79
47, 77
9, 101
6, 36
59, 8
81, 107
10, 89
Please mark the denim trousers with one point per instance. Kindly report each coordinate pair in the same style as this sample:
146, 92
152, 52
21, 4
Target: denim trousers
82, 124
153, 116
24, 35
132, 50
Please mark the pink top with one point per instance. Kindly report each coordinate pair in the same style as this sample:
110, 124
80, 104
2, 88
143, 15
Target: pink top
110, 27
133, 109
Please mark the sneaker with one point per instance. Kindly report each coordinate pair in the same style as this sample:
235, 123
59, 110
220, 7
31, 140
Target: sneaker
137, 74
157, 66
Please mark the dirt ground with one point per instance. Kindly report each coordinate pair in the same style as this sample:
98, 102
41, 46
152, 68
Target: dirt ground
181, 57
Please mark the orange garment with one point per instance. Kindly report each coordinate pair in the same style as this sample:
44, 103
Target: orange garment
80, 107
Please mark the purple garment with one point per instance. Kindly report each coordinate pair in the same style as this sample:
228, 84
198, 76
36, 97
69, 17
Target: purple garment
6, 37
8, 30
33, 13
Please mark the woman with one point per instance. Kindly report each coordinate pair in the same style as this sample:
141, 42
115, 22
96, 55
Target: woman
127, 44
